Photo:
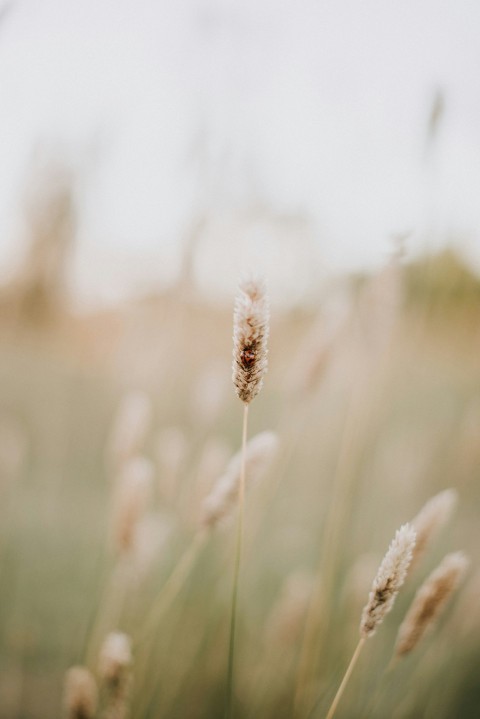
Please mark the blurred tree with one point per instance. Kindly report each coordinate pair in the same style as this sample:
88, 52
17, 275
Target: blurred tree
442, 279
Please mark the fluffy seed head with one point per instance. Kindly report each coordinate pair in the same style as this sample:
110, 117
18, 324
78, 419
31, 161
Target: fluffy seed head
250, 335
115, 658
430, 601
431, 518
221, 501
390, 577
132, 493
81, 696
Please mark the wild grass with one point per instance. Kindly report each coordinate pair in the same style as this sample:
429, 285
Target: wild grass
390, 419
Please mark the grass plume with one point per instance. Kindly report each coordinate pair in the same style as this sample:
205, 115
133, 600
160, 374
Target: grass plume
390, 577
386, 585
430, 601
250, 335
80, 694
220, 503
431, 518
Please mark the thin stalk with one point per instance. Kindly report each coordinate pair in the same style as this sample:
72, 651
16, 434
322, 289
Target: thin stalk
361, 415
345, 679
164, 601
172, 586
236, 575
110, 610
317, 620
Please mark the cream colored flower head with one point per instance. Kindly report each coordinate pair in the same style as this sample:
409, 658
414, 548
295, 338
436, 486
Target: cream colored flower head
390, 577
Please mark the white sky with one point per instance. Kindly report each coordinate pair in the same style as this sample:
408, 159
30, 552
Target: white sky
317, 106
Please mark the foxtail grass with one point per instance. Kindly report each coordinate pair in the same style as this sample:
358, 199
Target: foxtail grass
387, 583
130, 501
80, 694
431, 518
430, 601
114, 669
250, 335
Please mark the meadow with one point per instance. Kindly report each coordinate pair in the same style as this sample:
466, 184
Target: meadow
375, 402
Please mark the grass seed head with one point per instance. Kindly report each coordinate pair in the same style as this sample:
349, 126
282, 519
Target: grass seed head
222, 500
81, 695
430, 601
115, 658
390, 577
430, 520
132, 494
250, 336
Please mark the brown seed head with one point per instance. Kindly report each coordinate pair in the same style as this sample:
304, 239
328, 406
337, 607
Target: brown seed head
250, 335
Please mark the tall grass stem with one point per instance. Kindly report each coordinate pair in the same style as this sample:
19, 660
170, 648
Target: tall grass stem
172, 586
236, 575
345, 679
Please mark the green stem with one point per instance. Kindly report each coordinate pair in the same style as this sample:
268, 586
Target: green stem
236, 575
172, 587
146, 638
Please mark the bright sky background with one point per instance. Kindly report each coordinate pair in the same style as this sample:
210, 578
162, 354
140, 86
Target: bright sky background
313, 106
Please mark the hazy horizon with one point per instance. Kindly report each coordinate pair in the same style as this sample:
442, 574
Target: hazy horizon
313, 110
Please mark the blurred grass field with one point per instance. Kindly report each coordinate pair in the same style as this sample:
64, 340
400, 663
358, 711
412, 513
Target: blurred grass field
390, 416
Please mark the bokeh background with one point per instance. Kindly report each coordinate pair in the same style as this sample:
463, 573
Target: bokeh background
151, 153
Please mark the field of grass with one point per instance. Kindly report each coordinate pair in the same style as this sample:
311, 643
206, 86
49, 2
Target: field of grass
374, 414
